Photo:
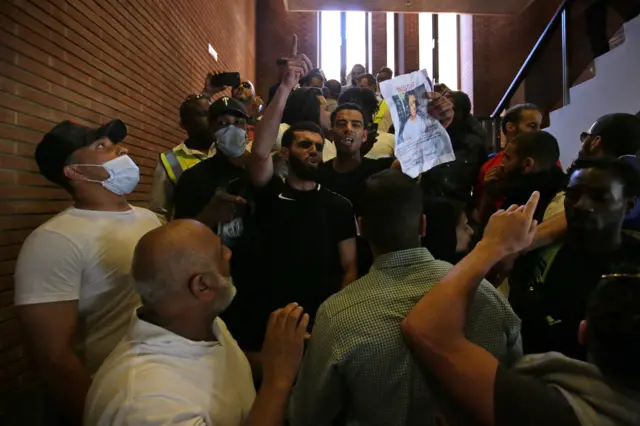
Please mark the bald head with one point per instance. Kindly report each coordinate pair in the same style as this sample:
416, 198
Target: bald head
168, 257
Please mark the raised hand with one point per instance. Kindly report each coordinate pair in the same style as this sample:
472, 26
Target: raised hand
222, 207
299, 66
440, 108
512, 230
209, 88
283, 345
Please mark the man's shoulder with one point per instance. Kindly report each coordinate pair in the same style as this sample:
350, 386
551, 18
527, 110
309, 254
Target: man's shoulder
333, 199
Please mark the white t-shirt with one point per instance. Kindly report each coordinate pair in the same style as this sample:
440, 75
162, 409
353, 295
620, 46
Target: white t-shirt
155, 377
414, 129
85, 255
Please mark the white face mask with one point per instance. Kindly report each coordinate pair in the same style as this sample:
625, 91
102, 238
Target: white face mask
231, 141
124, 175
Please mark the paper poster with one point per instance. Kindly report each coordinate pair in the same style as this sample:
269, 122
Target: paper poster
421, 141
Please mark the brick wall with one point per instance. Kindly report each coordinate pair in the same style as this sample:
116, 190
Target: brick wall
91, 61
274, 31
379, 41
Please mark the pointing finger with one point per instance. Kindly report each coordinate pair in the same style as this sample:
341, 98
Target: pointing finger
532, 204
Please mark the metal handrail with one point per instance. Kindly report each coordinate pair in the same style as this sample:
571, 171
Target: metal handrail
559, 17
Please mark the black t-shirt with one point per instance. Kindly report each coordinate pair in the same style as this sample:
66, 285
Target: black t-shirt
298, 257
351, 184
552, 300
520, 400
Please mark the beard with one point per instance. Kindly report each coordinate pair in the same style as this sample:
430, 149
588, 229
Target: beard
227, 296
302, 170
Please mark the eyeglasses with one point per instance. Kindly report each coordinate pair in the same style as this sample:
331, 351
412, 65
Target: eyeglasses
245, 84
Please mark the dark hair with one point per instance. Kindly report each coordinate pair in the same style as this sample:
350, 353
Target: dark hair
385, 69
620, 134
364, 97
189, 105
334, 87
391, 211
307, 78
302, 105
622, 170
613, 328
443, 216
514, 114
541, 146
352, 107
302, 126
370, 79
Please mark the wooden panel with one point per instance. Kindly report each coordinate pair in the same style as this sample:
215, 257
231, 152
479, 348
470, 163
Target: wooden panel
493, 7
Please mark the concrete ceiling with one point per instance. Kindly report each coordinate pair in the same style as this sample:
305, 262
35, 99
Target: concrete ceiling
478, 7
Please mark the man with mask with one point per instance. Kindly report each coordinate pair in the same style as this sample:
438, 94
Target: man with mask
178, 363
225, 171
299, 220
218, 193
197, 147
72, 282
550, 287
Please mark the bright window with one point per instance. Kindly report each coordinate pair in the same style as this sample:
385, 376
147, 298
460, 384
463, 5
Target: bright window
350, 40
391, 40
330, 30
425, 45
356, 39
448, 53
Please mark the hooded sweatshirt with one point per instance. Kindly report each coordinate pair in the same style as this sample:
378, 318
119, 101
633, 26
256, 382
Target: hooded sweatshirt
595, 400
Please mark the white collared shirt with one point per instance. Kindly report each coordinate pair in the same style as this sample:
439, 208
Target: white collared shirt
155, 377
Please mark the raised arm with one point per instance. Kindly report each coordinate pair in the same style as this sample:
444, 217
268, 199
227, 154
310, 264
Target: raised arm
435, 326
261, 163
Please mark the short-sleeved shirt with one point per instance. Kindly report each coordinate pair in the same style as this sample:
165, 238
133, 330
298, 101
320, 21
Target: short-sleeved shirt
298, 256
86, 255
198, 185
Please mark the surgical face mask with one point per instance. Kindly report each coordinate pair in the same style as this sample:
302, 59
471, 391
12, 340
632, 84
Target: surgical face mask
124, 175
231, 141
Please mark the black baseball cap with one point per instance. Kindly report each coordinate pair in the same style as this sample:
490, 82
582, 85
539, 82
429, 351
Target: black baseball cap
67, 137
227, 105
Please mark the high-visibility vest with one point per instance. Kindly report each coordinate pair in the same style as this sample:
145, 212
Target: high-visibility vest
177, 160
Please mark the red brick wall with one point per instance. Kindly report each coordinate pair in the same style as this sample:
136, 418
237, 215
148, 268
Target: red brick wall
91, 61
379, 41
274, 32
411, 42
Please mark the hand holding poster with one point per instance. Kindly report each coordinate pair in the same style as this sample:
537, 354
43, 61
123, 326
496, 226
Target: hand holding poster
421, 141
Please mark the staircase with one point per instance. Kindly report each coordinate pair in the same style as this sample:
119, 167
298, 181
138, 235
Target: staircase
561, 76
615, 88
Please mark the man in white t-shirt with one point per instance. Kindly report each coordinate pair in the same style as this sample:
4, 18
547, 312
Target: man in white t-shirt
178, 364
415, 125
72, 285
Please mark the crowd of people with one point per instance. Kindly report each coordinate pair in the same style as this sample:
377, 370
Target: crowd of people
288, 272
